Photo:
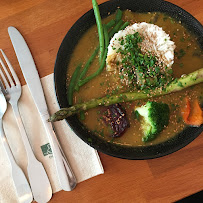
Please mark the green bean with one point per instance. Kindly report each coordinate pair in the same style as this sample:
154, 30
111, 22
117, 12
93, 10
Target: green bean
124, 26
106, 37
72, 84
99, 27
87, 79
101, 42
115, 29
119, 15
110, 24
86, 67
111, 33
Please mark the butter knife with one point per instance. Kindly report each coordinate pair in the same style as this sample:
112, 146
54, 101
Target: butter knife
65, 174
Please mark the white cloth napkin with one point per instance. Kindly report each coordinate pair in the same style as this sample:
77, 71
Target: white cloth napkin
83, 159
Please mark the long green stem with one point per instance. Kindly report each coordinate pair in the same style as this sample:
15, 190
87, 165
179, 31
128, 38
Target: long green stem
72, 83
106, 37
103, 63
99, 27
124, 25
115, 29
110, 24
90, 60
182, 83
86, 67
93, 75
82, 82
119, 15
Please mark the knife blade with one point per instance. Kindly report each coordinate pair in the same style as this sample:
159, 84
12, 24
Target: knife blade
65, 174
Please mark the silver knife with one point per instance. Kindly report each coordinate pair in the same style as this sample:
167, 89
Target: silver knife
65, 174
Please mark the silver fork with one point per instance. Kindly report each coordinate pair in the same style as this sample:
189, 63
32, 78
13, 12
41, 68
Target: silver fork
39, 181
21, 185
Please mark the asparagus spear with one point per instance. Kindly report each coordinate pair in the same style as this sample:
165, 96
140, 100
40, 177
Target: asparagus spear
191, 79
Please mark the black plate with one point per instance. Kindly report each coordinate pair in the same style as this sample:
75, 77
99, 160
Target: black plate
63, 57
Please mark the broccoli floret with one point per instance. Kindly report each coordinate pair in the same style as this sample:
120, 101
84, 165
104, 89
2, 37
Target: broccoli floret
155, 118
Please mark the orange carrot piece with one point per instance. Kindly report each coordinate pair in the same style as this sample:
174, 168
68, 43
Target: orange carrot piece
186, 110
196, 115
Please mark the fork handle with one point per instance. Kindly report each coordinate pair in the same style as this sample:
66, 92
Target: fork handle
65, 174
19, 180
38, 178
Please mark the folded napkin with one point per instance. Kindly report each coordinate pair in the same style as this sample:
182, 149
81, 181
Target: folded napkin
83, 159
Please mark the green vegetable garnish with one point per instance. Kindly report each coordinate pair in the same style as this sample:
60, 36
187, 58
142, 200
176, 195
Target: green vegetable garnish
191, 79
124, 25
142, 70
155, 118
119, 15
99, 27
181, 53
73, 83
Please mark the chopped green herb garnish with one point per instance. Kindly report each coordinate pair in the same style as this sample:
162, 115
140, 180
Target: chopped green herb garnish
181, 65
102, 83
179, 119
180, 84
136, 115
174, 107
172, 20
170, 71
181, 53
121, 76
182, 39
175, 80
82, 115
140, 69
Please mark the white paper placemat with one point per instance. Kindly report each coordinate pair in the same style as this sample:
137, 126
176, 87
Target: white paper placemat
83, 159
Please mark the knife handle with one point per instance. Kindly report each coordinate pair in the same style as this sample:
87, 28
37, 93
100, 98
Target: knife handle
65, 174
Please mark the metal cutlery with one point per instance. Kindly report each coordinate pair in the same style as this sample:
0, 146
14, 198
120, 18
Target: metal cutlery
38, 178
65, 174
20, 182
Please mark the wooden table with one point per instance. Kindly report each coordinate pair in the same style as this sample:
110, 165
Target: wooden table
44, 23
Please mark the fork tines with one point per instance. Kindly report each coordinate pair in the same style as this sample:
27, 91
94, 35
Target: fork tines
15, 78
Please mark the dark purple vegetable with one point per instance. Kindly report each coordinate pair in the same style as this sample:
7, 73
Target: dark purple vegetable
115, 116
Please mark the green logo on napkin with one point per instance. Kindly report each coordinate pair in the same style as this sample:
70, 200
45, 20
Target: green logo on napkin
46, 149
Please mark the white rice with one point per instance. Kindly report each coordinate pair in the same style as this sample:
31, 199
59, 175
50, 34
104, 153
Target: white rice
155, 41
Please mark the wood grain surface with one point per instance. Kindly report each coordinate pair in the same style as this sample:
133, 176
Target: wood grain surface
44, 24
